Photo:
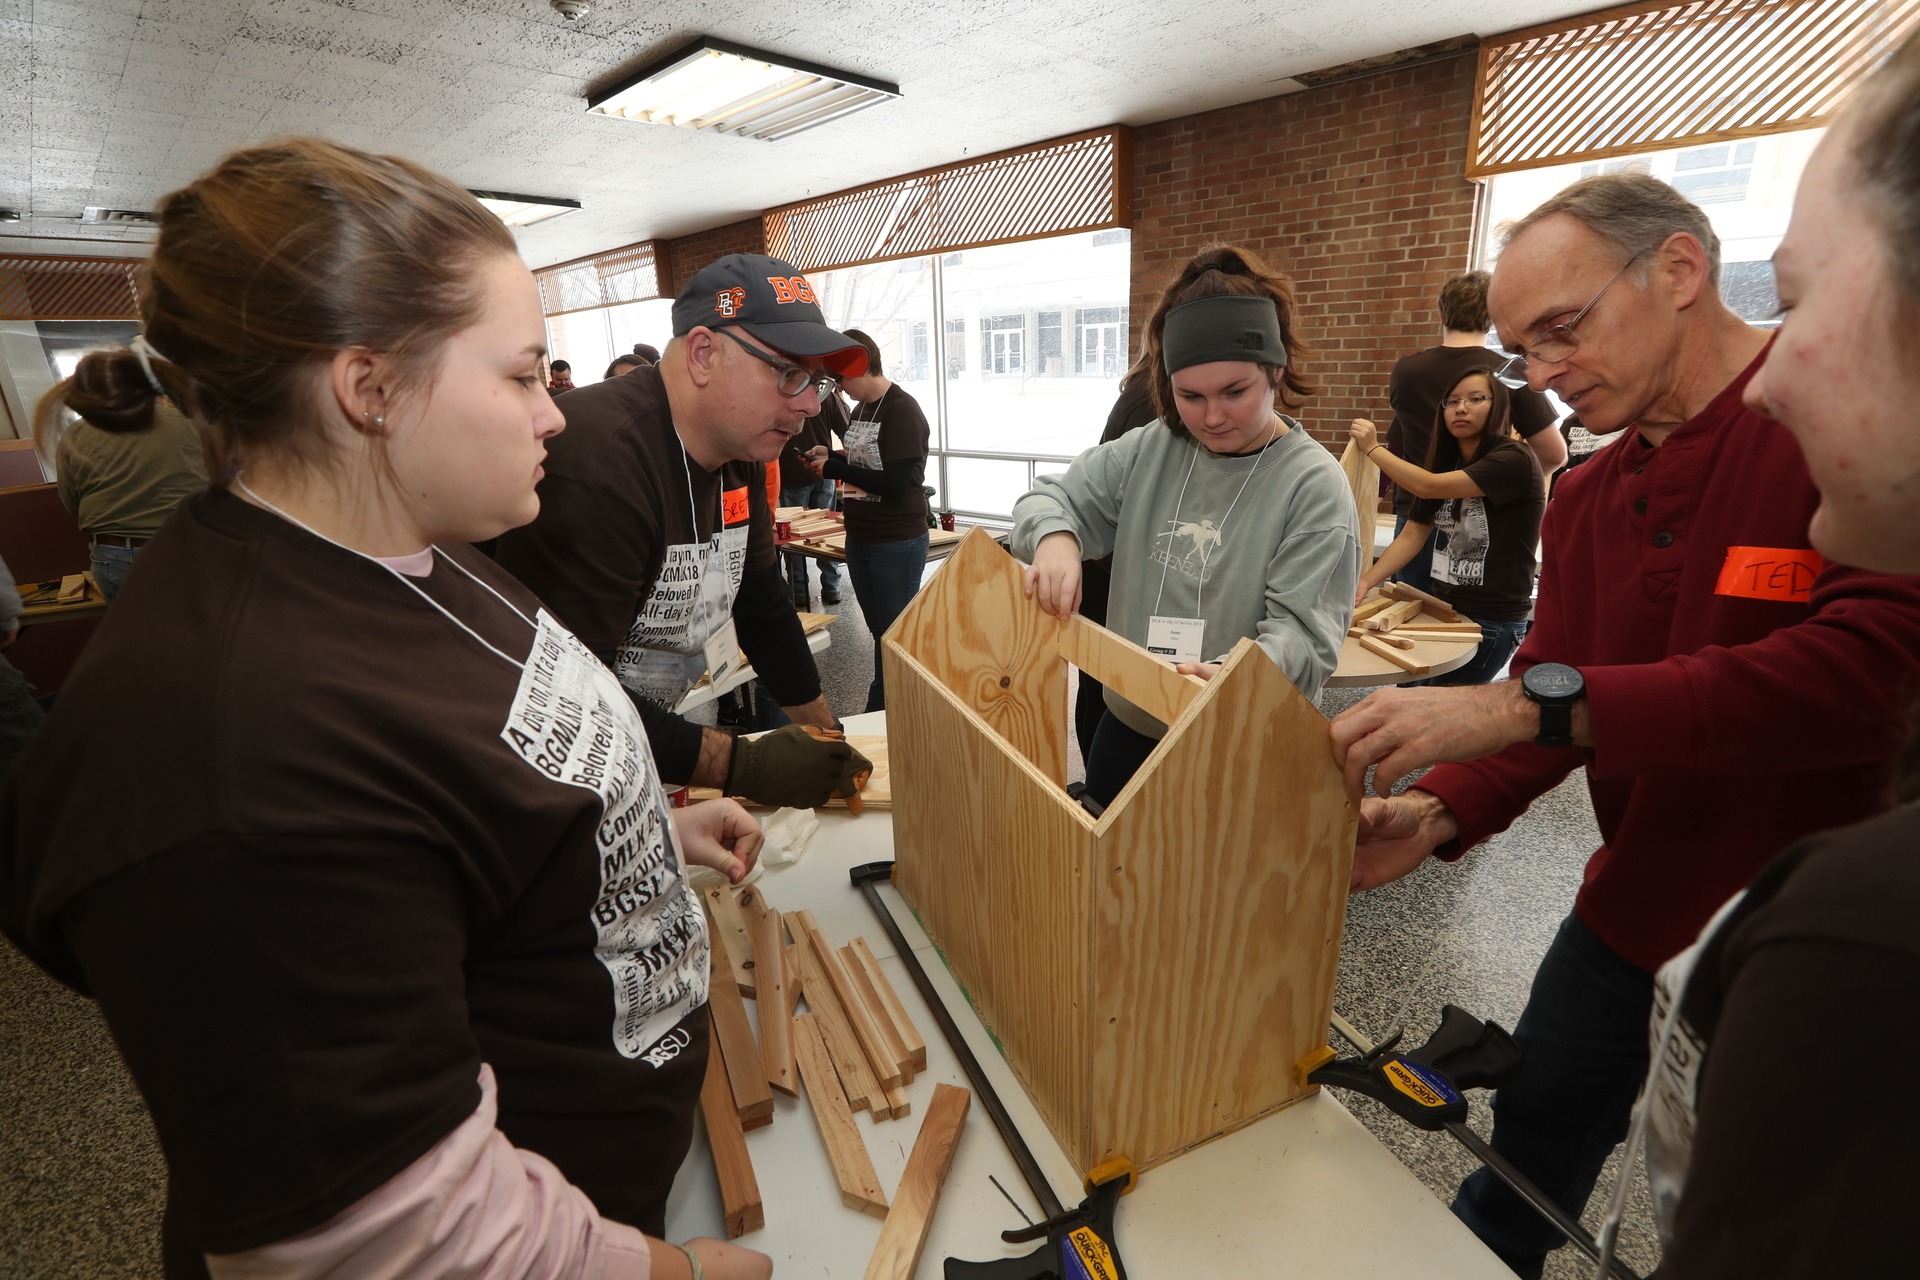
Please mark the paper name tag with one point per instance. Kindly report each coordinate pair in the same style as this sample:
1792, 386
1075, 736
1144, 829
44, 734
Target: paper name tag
1769, 573
1176, 639
723, 653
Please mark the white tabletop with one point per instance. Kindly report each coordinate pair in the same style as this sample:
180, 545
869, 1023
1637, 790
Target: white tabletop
1306, 1192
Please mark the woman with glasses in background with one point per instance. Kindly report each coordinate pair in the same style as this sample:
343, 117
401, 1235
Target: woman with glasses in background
1482, 489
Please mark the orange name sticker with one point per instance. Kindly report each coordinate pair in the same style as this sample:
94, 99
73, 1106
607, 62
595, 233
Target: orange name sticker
1769, 573
733, 506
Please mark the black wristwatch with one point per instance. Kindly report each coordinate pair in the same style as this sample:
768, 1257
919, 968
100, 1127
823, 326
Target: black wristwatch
1554, 688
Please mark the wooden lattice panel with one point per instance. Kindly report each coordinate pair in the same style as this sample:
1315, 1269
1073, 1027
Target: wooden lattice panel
1654, 76
630, 274
52, 288
1077, 183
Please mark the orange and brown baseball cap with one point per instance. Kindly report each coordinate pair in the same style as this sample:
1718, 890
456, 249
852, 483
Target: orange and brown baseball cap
771, 300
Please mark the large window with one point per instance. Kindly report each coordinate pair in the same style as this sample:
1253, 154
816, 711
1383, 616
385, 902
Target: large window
1032, 337
589, 340
1745, 187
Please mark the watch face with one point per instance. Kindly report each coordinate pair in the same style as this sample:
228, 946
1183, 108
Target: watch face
1553, 680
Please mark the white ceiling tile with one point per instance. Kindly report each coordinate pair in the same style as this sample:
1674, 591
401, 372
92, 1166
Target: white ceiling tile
492, 91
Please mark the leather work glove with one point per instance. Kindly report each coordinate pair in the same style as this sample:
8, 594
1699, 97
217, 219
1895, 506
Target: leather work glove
790, 768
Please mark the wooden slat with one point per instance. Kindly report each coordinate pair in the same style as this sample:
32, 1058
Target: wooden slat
1397, 658
870, 1001
1147, 681
852, 1166
886, 1068
724, 911
896, 1012
773, 1004
1672, 73
897, 1255
1388, 619
739, 1189
1363, 478
1435, 605
733, 1038
849, 1059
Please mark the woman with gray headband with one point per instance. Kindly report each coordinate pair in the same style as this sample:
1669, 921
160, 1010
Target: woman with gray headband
1224, 518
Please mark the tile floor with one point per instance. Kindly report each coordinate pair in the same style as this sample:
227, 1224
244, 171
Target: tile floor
81, 1181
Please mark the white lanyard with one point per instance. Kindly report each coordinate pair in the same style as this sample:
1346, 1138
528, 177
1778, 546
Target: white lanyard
1206, 549
406, 581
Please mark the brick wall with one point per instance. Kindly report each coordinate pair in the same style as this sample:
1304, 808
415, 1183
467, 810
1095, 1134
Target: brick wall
1355, 190
690, 253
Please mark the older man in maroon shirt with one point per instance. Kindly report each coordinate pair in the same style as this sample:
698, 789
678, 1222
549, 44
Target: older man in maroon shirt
1726, 691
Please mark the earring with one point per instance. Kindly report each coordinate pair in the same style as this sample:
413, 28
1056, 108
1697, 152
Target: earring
379, 422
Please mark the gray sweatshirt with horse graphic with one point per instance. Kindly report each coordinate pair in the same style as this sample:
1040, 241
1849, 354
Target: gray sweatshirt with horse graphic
1263, 545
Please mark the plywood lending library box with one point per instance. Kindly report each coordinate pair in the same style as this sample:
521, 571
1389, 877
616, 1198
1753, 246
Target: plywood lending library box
1153, 975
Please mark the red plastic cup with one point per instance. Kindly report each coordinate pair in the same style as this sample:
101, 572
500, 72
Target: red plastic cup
783, 529
946, 521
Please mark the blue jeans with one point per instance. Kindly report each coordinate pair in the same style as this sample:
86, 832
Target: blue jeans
817, 494
1418, 572
20, 715
1584, 1034
885, 576
110, 565
1498, 640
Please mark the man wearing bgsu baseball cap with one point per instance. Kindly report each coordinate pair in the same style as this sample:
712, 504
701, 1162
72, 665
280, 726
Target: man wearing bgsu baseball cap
654, 543
771, 300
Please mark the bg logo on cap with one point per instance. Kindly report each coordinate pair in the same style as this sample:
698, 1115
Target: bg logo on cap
730, 302
792, 289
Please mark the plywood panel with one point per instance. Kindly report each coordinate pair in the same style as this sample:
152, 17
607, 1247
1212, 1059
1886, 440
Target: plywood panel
994, 858
974, 628
1224, 879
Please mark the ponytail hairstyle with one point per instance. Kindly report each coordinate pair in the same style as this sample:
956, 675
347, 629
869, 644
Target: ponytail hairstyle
1443, 451
1226, 269
264, 269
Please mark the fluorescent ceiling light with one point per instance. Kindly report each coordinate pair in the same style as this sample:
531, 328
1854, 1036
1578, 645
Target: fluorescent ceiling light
729, 88
523, 211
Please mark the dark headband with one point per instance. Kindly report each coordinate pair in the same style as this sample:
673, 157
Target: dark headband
1224, 327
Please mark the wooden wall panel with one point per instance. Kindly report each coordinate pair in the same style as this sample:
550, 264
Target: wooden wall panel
997, 652
995, 860
1223, 879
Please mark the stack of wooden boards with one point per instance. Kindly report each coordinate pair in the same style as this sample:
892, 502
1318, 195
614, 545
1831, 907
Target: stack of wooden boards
809, 522
1395, 617
823, 533
854, 1048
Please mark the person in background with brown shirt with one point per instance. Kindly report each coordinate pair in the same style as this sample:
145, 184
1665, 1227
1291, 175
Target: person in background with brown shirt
884, 473
1421, 380
392, 922
654, 543
799, 487
121, 487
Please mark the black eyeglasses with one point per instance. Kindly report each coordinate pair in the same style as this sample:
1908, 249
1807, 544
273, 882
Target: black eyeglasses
1557, 341
794, 379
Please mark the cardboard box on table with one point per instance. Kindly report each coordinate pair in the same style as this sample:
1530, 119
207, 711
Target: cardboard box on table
1155, 975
